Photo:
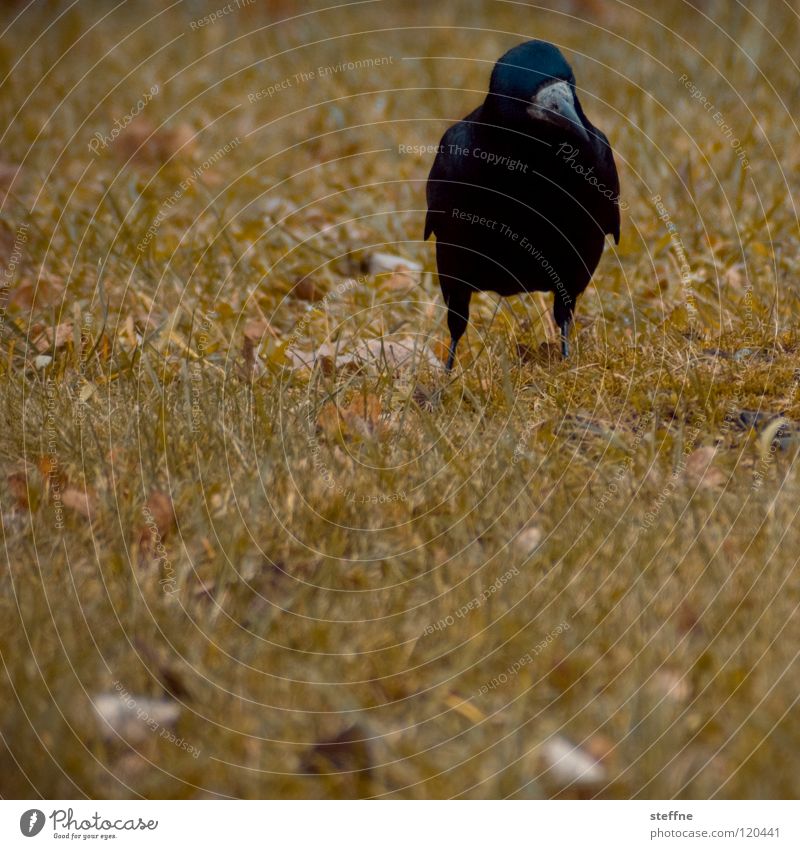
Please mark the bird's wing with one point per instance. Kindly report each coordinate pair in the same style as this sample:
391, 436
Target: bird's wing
607, 167
449, 167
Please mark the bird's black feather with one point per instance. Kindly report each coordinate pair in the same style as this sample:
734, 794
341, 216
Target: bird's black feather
446, 173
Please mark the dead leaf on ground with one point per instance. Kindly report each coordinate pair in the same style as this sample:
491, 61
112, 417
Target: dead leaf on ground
159, 520
44, 291
361, 417
400, 273
57, 337
699, 471
145, 143
254, 333
8, 173
257, 328
53, 477
47, 465
78, 500
306, 290
365, 408
401, 280
159, 505
328, 419
734, 276
17, 486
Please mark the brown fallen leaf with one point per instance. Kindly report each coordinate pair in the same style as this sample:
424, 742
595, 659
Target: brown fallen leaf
306, 290
401, 280
361, 417
159, 520
8, 174
699, 471
257, 328
58, 337
734, 276
159, 505
364, 407
328, 420
254, 333
144, 143
78, 500
47, 466
45, 291
391, 265
17, 486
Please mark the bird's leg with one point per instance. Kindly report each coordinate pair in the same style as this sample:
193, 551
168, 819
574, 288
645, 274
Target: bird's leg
457, 300
562, 312
564, 327
451, 355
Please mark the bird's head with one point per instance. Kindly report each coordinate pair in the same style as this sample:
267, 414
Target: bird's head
533, 82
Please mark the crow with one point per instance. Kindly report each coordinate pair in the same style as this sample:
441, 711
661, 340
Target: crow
522, 191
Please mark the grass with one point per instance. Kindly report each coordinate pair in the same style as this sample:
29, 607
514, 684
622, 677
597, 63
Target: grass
347, 588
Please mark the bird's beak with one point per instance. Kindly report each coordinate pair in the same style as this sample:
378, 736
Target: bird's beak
555, 103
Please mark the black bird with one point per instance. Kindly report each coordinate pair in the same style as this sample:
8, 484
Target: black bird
522, 191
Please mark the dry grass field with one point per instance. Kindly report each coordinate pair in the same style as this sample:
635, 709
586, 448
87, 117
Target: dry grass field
257, 543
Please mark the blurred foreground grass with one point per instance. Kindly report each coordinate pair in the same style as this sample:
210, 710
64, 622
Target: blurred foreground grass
304, 576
